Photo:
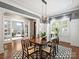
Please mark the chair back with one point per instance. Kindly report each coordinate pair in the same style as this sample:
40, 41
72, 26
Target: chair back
25, 45
27, 42
33, 38
55, 41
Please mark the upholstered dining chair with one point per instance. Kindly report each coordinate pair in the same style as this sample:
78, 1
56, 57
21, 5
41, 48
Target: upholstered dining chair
50, 49
44, 41
55, 41
27, 50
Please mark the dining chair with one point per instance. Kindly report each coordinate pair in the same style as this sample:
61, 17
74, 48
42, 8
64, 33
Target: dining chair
50, 50
27, 50
32, 39
56, 41
44, 41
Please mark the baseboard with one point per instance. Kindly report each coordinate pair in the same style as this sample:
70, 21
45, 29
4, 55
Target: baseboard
63, 42
77, 46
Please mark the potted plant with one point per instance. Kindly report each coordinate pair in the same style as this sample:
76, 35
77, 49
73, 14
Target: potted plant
43, 35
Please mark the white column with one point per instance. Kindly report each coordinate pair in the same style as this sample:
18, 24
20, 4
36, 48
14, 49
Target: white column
1, 30
48, 31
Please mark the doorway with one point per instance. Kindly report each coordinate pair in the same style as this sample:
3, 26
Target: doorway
35, 29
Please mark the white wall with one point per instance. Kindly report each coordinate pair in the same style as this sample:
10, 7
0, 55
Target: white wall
72, 35
74, 28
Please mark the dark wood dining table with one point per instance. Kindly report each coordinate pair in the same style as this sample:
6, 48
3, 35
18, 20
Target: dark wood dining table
38, 42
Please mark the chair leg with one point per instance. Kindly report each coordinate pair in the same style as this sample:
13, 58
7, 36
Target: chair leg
22, 55
50, 57
36, 55
27, 57
57, 48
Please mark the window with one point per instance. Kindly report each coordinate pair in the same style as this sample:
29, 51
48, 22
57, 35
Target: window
61, 24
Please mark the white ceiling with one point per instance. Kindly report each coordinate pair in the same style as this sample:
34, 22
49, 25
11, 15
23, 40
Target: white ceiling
53, 7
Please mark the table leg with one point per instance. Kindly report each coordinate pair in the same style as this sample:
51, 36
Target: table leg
40, 51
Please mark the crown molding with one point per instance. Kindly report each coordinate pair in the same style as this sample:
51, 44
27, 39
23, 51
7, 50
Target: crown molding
19, 10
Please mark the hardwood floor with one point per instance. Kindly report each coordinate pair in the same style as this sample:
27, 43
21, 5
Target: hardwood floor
75, 53
2, 56
10, 48
75, 50
16, 45
8, 51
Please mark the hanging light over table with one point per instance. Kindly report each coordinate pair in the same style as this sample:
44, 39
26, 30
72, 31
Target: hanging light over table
44, 17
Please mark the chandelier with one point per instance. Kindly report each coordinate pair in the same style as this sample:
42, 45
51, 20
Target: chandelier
44, 12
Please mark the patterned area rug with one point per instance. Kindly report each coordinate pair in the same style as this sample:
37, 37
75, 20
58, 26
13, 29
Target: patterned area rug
63, 53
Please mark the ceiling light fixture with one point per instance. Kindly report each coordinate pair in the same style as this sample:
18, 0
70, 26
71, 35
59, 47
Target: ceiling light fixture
44, 12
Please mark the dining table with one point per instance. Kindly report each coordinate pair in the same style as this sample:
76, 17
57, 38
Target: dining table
39, 42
